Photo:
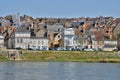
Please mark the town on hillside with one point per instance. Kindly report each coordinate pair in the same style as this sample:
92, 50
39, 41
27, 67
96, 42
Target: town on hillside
89, 34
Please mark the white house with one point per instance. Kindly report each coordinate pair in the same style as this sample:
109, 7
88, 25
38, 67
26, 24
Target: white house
109, 45
22, 38
70, 39
39, 43
1, 41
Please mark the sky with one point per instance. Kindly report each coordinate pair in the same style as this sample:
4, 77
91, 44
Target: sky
61, 8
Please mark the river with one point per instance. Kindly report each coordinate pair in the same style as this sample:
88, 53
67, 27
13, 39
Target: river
59, 71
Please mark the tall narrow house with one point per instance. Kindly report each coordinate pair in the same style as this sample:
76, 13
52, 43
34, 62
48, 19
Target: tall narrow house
22, 38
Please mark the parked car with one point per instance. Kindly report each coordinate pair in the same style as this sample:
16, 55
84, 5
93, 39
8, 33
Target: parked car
99, 49
18, 48
70, 49
115, 49
43, 49
60, 49
52, 48
88, 49
30, 49
78, 48
33, 49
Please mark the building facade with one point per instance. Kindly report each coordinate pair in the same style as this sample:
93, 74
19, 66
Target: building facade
1, 41
69, 38
22, 38
39, 43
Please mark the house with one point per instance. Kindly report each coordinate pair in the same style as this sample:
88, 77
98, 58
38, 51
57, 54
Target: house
116, 31
118, 41
70, 40
39, 43
98, 41
22, 38
89, 39
41, 30
5, 22
55, 35
40, 40
109, 45
1, 41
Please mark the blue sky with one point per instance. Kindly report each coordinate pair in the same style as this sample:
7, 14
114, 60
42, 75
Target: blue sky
61, 8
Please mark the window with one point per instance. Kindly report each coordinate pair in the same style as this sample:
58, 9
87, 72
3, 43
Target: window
55, 34
45, 27
17, 40
21, 40
42, 42
38, 47
45, 34
58, 29
34, 42
38, 42
69, 42
59, 36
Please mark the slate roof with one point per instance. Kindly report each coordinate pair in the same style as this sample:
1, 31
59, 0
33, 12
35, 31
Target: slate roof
42, 24
75, 23
55, 27
22, 29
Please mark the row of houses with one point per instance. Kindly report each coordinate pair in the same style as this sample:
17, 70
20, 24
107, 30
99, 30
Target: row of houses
55, 36
26, 32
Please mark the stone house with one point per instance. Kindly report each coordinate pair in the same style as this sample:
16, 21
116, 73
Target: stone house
22, 38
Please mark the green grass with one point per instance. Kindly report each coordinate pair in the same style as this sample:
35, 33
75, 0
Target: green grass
2, 58
71, 56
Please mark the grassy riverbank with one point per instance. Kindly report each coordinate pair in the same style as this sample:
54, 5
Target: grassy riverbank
2, 58
70, 56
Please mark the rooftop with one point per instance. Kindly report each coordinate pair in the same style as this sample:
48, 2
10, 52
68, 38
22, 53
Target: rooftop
22, 29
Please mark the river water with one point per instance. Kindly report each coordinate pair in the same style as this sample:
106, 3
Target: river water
59, 71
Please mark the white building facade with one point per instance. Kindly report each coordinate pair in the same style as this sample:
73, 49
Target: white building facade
39, 43
1, 41
70, 39
22, 40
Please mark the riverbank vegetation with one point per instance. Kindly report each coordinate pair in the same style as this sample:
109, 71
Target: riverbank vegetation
71, 56
2, 58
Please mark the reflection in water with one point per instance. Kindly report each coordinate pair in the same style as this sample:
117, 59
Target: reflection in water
59, 71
